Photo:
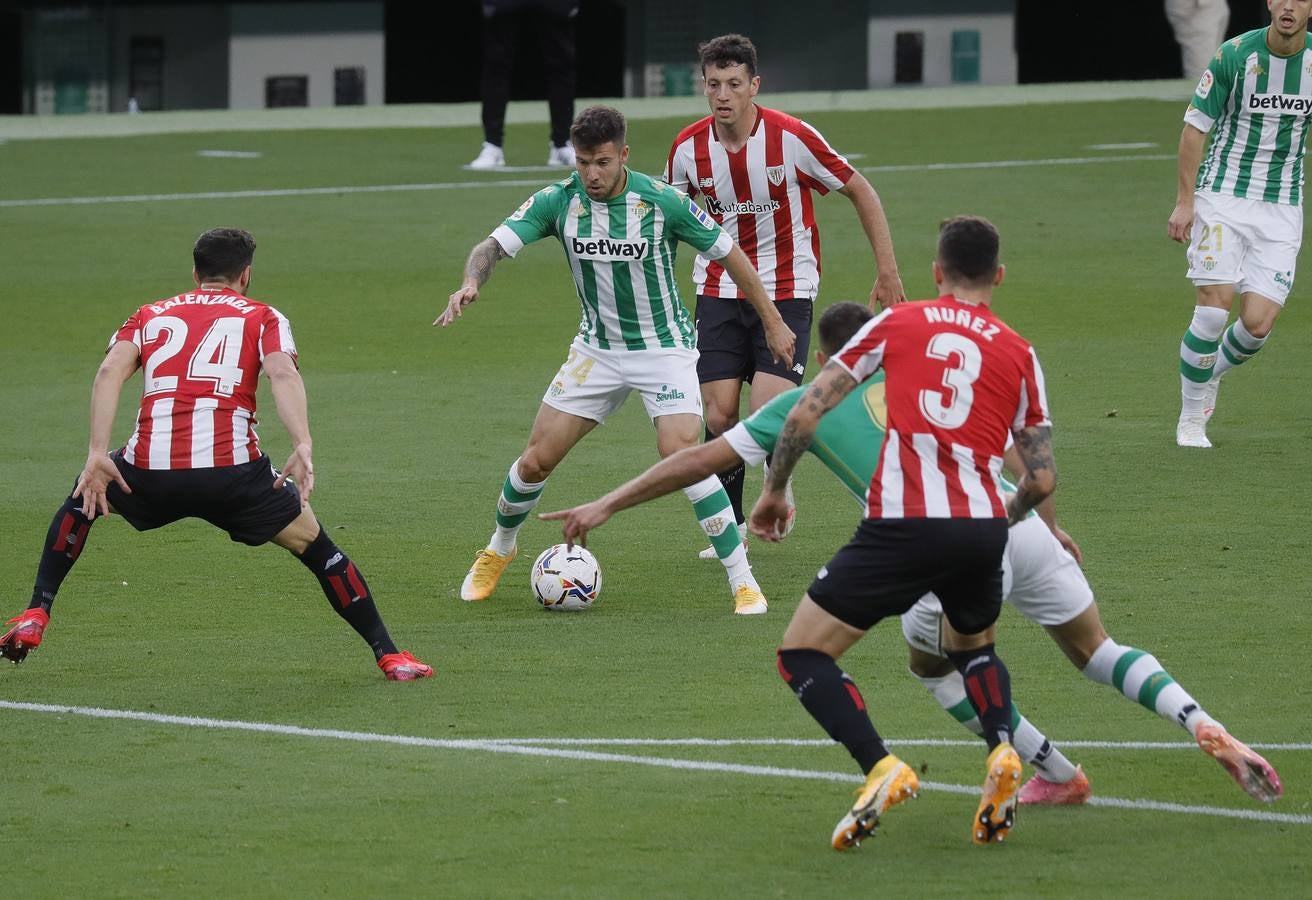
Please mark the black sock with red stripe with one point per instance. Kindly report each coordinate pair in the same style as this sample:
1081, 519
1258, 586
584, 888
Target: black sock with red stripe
64, 542
988, 687
347, 591
732, 479
832, 699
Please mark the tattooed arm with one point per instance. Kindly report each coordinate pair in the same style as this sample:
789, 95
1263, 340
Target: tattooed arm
478, 269
833, 384
1039, 479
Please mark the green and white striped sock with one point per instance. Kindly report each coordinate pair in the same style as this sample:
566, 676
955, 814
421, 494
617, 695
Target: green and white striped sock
1141, 678
1030, 743
1237, 347
1198, 357
518, 497
714, 512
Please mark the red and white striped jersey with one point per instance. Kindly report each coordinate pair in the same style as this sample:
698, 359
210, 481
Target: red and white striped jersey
201, 354
761, 195
957, 382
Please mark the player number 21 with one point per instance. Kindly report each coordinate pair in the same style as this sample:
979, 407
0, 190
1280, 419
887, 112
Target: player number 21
215, 360
1211, 233
950, 407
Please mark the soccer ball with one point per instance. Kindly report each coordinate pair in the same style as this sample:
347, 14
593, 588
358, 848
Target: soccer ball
566, 578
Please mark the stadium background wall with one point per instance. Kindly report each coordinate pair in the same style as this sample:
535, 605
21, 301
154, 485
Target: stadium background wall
1081, 41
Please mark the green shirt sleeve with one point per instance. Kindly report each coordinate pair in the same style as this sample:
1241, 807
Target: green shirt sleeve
766, 424
1214, 87
688, 222
533, 221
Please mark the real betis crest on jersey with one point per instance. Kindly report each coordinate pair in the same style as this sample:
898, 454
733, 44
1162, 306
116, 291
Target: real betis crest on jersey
1258, 105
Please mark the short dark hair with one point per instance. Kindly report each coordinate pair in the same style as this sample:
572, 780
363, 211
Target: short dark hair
728, 50
968, 249
598, 125
839, 322
223, 253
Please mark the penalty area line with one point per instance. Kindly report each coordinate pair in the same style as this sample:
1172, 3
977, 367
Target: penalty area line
823, 742
523, 749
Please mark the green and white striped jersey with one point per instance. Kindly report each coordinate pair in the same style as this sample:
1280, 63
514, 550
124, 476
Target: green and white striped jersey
621, 253
1259, 103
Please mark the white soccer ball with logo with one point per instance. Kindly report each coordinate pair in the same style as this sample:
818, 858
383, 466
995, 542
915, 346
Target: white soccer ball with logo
566, 578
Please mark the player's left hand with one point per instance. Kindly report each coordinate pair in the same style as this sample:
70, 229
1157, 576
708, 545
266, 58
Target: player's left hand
93, 484
887, 291
300, 469
769, 516
579, 521
1068, 543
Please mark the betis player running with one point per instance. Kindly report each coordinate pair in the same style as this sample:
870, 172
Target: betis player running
1241, 210
619, 229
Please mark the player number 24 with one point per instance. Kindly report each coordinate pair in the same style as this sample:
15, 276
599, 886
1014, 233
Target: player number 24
215, 360
950, 407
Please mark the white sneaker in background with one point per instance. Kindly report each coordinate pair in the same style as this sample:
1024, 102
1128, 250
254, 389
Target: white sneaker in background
490, 157
561, 156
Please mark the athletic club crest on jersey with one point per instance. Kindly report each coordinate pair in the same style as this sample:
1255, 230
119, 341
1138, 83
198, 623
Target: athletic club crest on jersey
775, 174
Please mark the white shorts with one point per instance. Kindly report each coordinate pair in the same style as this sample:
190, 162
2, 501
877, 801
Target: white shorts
1251, 244
594, 383
1039, 578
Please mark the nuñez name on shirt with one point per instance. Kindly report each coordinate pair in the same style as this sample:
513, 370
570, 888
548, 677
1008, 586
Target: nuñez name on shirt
1293, 104
608, 249
741, 207
963, 318
240, 304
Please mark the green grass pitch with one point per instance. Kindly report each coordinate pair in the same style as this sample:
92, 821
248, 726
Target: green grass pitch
1197, 557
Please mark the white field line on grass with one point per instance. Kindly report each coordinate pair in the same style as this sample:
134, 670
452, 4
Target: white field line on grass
822, 742
523, 182
498, 746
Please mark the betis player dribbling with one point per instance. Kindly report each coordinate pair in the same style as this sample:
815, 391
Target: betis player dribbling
619, 230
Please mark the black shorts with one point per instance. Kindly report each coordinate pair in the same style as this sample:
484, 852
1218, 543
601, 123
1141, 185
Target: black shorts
239, 499
889, 564
732, 344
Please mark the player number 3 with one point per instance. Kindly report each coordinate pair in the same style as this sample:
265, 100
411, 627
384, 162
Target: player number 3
950, 407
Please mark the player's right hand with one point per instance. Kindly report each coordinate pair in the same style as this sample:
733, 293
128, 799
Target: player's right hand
455, 306
782, 342
93, 484
300, 469
1181, 224
579, 521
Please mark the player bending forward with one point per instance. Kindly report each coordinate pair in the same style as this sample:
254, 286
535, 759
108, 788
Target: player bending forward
620, 230
1041, 579
1241, 210
194, 452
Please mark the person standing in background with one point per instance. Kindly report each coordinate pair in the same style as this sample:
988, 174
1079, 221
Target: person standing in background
504, 21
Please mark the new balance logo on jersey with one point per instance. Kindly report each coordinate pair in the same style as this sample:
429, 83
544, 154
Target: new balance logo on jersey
706, 182
607, 250
799, 369
962, 317
1292, 104
742, 208
333, 560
